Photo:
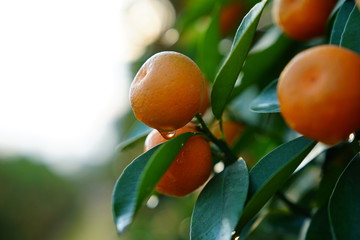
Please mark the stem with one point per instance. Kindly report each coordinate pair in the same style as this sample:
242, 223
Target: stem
229, 155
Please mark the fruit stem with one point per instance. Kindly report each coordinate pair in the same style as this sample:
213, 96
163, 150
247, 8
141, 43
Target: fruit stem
229, 156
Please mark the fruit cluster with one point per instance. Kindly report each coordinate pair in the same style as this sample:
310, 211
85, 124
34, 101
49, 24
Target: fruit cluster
318, 93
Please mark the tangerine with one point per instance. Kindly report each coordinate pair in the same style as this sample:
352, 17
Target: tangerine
319, 93
302, 19
167, 91
190, 169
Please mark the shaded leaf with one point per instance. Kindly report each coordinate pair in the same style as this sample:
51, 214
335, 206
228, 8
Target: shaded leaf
319, 226
229, 71
267, 101
282, 225
140, 177
344, 207
346, 29
271, 172
336, 160
220, 204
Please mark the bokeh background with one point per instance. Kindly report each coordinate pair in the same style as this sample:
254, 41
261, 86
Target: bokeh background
65, 70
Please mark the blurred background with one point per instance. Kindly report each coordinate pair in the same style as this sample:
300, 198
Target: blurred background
65, 70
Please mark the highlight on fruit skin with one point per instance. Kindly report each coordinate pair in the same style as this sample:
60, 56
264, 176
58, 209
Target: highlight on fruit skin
167, 91
302, 19
190, 169
319, 93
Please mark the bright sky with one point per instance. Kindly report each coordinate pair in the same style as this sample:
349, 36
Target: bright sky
62, 83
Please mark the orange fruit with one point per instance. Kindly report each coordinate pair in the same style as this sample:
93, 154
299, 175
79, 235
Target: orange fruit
358, 3
302, 19
191, 167
232, 131
230, 16
319, 93
167, 91
205, 104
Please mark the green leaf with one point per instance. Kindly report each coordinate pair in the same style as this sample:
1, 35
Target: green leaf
140, 177
208, 55
229, 71
344, 207
271, 172
319, 227
220, 204
132, 141
336, 160
346, 29
267, 101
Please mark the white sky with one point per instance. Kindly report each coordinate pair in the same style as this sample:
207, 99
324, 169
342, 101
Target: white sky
62, 83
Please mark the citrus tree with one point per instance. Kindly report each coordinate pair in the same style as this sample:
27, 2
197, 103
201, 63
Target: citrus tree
265, 132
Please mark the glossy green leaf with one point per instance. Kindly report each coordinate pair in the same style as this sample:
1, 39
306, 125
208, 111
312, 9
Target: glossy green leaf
220, 204
335, 10
346, 29
271, 172
267, 101
140, 177
319, 226
344, 207
208, 55
229, 71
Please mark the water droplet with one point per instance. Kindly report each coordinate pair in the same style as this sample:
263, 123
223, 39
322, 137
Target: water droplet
168, 134
219, 167
351, 138
153, 202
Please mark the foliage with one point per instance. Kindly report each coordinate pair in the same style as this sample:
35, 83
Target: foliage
274, 180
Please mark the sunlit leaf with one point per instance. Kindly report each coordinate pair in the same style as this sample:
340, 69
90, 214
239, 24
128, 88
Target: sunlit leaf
220, 204
140, 177
229, 71
208, 54
267, 101
344, 207
271, 172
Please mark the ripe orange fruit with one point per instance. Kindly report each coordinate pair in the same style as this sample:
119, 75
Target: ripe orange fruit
302, 19
319, 93
190, 169
358, 3
205, 104
167, 91
232, 131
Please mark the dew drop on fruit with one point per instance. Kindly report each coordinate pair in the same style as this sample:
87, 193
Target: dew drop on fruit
351, 138
168, 134
153, 202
